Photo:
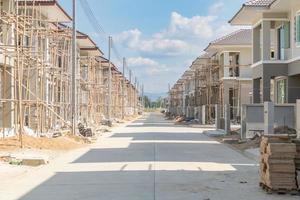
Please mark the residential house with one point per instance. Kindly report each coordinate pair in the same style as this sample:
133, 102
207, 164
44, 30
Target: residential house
231, 72
275, 46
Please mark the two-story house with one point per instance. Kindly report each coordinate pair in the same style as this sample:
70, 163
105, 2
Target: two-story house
275, 48
232, 73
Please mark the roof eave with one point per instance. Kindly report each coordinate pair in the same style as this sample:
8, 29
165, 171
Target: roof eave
234, 20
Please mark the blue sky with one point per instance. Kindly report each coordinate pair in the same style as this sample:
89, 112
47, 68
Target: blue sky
159, 38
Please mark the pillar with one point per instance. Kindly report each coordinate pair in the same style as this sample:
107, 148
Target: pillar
256, 90
266, 40
218, 116
200, 114
203, 110
227, 118
243, 122
268, 118
266, 89
256, 44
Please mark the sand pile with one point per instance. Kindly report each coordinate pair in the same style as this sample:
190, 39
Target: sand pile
60, 143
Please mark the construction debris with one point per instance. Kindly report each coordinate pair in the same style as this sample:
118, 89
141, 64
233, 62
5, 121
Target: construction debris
277, 166
85, 131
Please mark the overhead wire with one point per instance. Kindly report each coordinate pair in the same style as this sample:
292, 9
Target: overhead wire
100, 30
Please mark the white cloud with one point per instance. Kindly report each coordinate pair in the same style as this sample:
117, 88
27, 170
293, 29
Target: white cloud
154, 46
140, 61
146, 66
183, 36
216, 8
194, 27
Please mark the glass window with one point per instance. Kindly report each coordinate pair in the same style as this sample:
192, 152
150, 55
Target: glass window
281, 91
298, 28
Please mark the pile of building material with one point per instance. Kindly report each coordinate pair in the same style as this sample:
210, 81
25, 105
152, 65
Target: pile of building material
297, 161
277, 164
85, 131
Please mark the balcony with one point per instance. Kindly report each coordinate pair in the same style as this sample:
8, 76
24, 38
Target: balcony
271, 43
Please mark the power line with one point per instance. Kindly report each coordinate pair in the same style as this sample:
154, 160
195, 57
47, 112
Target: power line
99, 29
92, 19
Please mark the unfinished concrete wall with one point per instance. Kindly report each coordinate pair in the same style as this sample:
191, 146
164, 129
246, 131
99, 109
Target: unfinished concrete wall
293, 88
253, 118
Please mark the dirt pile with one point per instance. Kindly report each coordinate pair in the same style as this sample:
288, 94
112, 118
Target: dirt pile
60, 143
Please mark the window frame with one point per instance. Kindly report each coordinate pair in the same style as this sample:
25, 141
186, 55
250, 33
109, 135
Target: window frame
297, 29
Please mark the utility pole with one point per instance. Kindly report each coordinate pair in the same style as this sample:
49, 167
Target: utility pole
130, 91
169, 98
123, 89
74, 66
109, 81
143, 99
135, 94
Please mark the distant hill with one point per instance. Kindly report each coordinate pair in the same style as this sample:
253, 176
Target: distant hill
155, 96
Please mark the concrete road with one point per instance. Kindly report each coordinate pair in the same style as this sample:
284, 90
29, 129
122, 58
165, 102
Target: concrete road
150, 159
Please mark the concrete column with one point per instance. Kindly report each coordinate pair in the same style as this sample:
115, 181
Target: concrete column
218, 116
203, 110
227, 118
243, 122
266, 89
268, 118
256, 44
256, 90
298, 118
200, 114
266, 39
226, 93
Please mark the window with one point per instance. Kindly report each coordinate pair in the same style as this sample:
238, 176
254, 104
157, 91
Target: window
286, 33
297, 29
272, 54
281, 91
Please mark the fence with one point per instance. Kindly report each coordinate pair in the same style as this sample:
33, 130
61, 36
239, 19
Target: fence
253, 118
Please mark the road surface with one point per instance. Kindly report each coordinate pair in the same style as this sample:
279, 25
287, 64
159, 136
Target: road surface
150, 159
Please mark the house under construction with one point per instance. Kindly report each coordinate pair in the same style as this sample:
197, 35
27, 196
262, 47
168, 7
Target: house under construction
35, 64
221, 76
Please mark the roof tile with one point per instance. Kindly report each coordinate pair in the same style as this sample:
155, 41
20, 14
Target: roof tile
240, 37
259, 3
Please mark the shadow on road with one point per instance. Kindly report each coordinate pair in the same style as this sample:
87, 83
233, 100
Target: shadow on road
155, 164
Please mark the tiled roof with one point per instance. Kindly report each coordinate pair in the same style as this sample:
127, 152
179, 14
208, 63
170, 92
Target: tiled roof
207, 55
259, 3
240, 37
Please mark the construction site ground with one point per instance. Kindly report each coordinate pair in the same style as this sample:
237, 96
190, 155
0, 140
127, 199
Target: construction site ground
150, 158
48, 149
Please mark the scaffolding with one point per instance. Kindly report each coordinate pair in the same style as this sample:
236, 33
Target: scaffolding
35, 67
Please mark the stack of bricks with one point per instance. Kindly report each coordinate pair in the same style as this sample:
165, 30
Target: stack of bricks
277, 163
297, 161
